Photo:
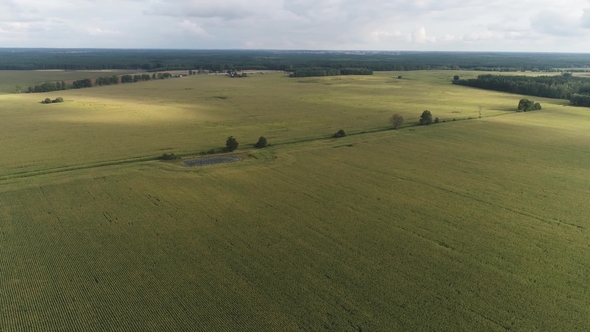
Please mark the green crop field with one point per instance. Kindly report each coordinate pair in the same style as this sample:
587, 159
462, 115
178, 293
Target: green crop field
466, 225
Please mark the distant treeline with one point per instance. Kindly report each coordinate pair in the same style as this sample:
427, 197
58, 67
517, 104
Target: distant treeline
330, 72
87, 82
224, 60
565, 86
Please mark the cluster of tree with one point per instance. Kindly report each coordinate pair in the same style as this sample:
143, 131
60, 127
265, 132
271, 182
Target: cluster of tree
220, 60
161, 76
136, 78
46, 87
84, 83
107, 80
580, 99
563, 86
308, 72
526, 105
426, 118
56, 100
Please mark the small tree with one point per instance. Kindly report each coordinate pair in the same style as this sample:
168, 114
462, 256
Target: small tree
19, 89
396, 120
426, 118
261, 142
436, 120
339, 133
47, 101
456, 78
231, 143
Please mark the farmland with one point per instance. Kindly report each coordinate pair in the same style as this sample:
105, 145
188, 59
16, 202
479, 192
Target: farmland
472, 224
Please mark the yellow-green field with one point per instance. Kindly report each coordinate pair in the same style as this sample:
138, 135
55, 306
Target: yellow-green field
477, 225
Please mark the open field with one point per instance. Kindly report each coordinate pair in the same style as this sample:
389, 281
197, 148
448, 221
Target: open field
197, 113
464, 225
9, 79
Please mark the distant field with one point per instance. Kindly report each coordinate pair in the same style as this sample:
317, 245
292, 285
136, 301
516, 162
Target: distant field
9, 79
197, 113
476, 225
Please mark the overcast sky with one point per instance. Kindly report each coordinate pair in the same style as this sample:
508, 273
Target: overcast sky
454, 25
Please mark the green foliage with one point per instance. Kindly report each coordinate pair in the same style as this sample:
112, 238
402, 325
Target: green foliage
396, 120
436, 120
526, 105
49, 101
339, 133
261, 142
564, 86
309, 72
45, 87
231, 144
426, 118
171, 156
107, 80
126, 79
162, 76
456, 78
84, 83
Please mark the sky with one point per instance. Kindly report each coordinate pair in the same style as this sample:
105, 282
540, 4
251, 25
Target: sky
420, 25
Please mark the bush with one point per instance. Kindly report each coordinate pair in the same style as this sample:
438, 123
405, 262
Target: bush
261, 142
436, 120
231, 144
426, 118
171, 156
456, 78
46, 101
339, 133
396, 120
212, 151
399, 77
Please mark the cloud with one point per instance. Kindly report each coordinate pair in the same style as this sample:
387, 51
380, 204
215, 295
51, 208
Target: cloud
556, 24
419, 36
101, 32
193, 28
503, 25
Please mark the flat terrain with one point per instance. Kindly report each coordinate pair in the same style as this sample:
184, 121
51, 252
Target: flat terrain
467, 225
9, 79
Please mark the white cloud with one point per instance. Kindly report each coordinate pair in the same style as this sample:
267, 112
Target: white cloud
502, 25
193, 28
419, 36
101, 32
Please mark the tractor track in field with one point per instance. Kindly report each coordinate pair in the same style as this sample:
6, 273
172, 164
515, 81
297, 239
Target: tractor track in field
64, 169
